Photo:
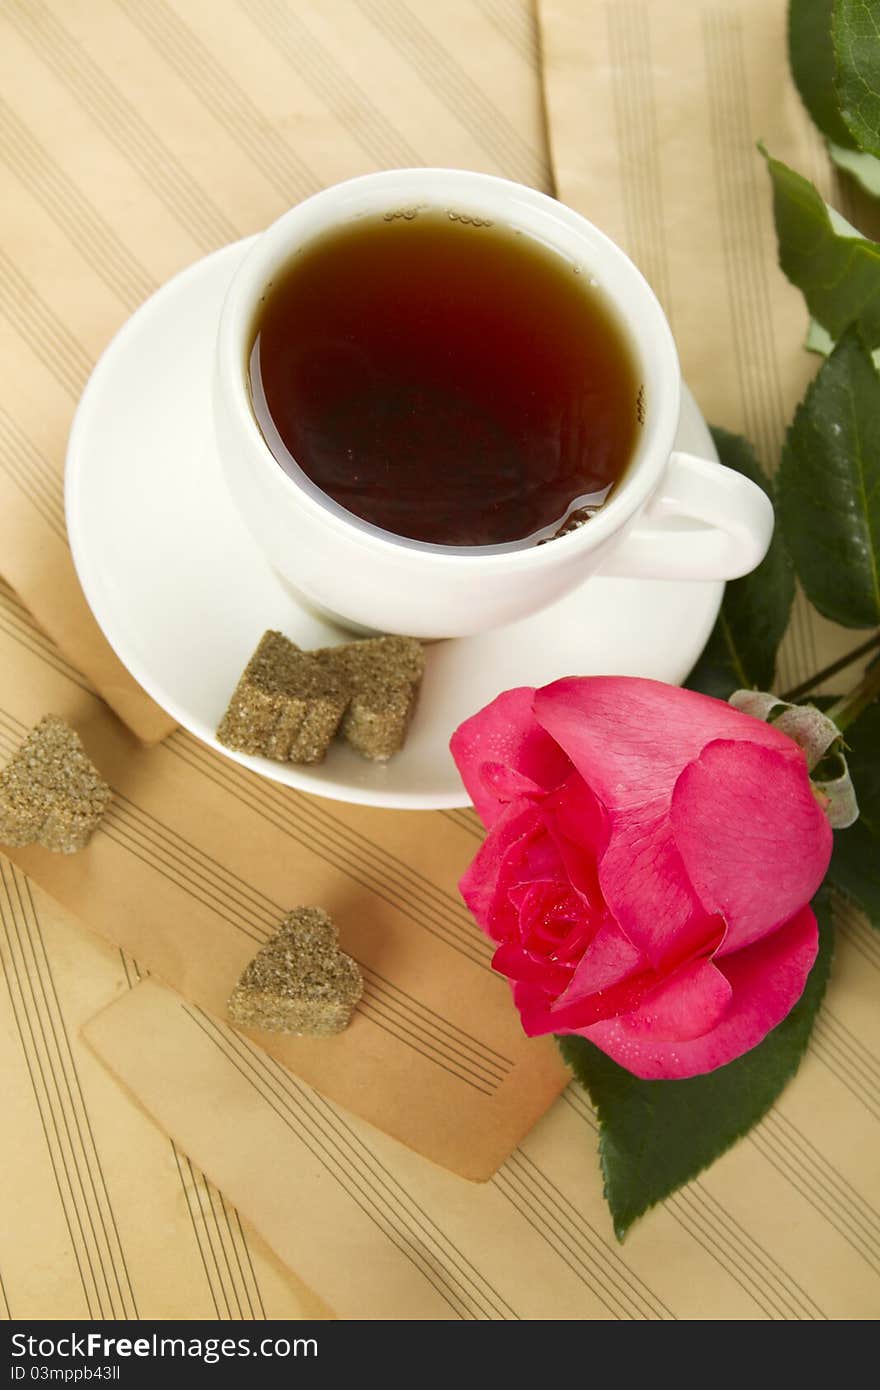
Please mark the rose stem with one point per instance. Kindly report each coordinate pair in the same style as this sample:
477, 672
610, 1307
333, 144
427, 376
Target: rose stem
832, 670
850, 706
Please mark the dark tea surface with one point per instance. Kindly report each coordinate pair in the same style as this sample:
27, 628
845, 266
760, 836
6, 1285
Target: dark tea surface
449, 381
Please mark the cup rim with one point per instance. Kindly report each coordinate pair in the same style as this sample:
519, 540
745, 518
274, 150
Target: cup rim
370, 193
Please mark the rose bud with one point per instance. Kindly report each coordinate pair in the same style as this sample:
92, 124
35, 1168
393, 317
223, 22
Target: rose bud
648, 868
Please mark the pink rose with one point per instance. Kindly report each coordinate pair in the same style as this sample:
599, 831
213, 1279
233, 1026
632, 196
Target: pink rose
648, 868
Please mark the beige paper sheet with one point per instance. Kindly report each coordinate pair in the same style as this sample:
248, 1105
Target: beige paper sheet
782, 1228
194, 866
100, 1215
135, 135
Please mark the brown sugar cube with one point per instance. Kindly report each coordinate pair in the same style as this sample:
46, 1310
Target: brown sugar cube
300, 981
50, 792
286, 705
384, 674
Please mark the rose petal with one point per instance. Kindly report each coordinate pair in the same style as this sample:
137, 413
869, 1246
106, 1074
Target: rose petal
767, 979
540, 1014
609, 979
625, 734
513, 962
645, 884
630, 739
486, 883
686, 1005
502, 736
554, 923
578, 826
610, 958
754, 840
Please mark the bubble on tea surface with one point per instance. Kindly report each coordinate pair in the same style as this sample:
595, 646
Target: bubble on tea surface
398, 214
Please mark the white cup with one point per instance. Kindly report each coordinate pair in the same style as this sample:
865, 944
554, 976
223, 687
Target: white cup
671, 516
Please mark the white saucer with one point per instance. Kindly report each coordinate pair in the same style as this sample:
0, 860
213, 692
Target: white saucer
183, 593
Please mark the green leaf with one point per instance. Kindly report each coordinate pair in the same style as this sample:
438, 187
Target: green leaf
741, 651
657, 1135
811, 56
864, 168
855, 32
855, 865
837, 270
828, 487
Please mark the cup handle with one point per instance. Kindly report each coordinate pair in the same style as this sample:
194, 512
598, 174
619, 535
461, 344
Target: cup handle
703, 522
